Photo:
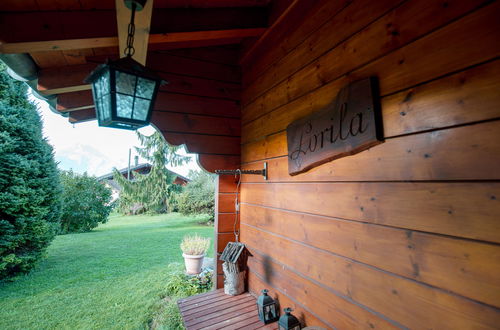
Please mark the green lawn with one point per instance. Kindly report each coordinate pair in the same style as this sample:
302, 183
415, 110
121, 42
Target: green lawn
110, 278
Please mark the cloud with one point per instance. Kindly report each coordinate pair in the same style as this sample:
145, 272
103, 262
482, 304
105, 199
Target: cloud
86, 147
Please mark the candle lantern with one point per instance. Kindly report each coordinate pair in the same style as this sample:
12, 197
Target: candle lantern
267, 308
288, 321
124, 90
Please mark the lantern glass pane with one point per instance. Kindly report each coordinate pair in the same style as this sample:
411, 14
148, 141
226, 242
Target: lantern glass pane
125, 83
124, 105
102, 84
141, 108
145, 88
101, 96
105, 102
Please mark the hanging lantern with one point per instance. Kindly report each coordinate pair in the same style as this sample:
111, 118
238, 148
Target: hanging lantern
267, 308
288, 321
124, 90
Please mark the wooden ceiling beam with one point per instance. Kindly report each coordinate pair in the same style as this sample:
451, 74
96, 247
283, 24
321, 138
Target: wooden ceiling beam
142, 24
32, 5
64, 79
164, 38
74, 100
81, 116
18, 27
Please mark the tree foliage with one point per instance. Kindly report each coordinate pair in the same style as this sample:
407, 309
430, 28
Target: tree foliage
154, 191
85, 203
29, 184
198, 196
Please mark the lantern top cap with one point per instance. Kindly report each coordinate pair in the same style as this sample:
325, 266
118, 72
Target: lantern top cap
139, 4
265, 291
126, 64
288, 310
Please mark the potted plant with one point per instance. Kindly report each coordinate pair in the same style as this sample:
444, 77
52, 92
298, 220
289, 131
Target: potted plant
193, 249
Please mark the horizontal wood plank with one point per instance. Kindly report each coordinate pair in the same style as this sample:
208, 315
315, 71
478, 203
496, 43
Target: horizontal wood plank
168, 63
396, 71
256, 284
74, 100
279, 38
225, 222
226, 203
74, 24
461, 98
216, 54
69, 76
449, 154
223, 239
218, 310
440, 261
193, 104
337, 311
179, 123
407, 302
222, 145
468, 210
357, 13
212, 162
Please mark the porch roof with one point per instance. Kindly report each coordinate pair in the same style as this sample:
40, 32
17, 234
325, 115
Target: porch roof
195, 45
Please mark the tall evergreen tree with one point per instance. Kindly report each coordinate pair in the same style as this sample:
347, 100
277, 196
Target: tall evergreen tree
29, 184
153, 191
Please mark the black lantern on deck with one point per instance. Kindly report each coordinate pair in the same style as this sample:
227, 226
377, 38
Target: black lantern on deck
267, 308
288, 321
124, 90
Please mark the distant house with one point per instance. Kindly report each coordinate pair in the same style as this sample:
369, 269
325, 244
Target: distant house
145, 168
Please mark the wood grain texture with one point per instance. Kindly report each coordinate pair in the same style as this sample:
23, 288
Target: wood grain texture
193, 104
223, 239
336, 310
227, 55
448, 154
193, 67
200, 124
280, 39
358, 13
467, 210
439, 261
407, 230
467, 96
217, 162
306, 316
407, 302
210, 144
395, 70
74, 24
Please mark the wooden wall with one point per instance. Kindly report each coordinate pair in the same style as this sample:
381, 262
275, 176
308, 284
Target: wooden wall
406, 234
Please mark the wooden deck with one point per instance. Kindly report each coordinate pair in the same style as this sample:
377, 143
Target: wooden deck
216, 310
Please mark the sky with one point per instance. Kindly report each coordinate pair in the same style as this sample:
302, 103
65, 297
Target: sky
86, 147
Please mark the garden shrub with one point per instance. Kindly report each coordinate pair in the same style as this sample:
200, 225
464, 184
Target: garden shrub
86, 203
198, 196
179, 285
29, 183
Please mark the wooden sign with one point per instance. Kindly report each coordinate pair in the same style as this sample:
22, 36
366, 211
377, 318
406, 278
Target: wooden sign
348, 125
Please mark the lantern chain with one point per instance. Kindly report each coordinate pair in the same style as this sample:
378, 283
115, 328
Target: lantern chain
130, 50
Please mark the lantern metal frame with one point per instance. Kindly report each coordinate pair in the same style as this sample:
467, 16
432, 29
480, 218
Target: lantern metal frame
108, 116
288, 321
265, 306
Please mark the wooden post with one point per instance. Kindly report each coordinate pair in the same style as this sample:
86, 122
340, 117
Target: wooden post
225, 213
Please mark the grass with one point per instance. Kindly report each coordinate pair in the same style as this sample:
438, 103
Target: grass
110, 278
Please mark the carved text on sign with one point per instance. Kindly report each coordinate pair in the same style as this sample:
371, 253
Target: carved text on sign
346, 126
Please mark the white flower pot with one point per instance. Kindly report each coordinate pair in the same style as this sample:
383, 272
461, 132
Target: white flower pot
193, 263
